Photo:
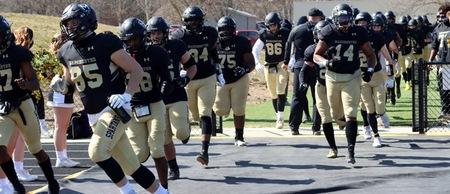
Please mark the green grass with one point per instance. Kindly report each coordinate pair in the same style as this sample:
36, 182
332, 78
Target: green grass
263, 115
44, 27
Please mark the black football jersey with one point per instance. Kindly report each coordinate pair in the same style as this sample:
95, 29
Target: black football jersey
309, 56
155, 62
302, 37
200, 47
175, 49
231, 56
377, 41
346, 47
95, 76
438, 33
11, 69
274, 44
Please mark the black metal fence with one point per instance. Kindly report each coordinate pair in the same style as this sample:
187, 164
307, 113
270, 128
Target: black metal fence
431, 97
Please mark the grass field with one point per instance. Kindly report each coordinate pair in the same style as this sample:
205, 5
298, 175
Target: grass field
263, 115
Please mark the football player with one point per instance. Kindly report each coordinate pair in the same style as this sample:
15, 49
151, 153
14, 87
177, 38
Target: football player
237, 61
94, 65
343, 75
17, 108
401, 69
177, 118
301, 37
274, 39
201, 41
322, 105
441, 35
373, 93
148, 126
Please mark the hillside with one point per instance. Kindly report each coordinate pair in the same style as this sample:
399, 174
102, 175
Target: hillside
44, 27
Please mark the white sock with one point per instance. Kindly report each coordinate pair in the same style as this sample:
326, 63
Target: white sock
160, 190
4, 181
42, 124
18, 166
126, 188
60, 155
280, 115
65, 153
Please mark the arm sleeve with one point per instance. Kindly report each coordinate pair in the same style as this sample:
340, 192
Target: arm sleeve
256, 50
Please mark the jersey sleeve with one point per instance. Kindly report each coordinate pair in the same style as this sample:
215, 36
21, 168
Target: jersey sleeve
112, 43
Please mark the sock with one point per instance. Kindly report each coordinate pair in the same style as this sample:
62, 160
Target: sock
239, 134
47, 169
144, 177
60, 155
65, 153
280, 114
173, 164
126, 188
18, 166
205, 146
281, 103
274, 104
42, 123
160, 190
373, 123
329, 135
364, 116
351, 131
8, 168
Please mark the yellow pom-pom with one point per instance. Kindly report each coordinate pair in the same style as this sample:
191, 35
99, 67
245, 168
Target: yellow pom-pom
46, 66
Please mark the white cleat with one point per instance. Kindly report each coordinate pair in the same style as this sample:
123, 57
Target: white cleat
385, 120
376, 142
280, 123
66, 163
367, 133
240, 143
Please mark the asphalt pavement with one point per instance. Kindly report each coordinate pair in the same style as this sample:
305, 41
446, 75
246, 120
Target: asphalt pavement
277, 162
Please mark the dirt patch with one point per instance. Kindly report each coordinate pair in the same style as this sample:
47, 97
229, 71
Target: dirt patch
258, 92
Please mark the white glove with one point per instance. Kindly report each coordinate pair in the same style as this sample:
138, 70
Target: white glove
58, 84
220, 80
389, 83
118, 100
260, 68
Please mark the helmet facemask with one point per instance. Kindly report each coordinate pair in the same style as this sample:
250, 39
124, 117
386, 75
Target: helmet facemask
227, 34
343, 21
193, 25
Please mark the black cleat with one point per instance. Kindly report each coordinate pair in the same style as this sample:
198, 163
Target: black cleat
307, 119
203, 158
174, 174
351, 157
294, 132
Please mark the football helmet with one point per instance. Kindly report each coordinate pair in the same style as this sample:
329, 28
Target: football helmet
403, 21
226, 27
158, 23
342, 16
193, 19
6, 36
271, 19
286, 24
389, 15
412, 24
317, 28
87, 20
355, 12
365, 16
130, 28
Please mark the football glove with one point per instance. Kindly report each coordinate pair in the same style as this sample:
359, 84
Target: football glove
389, 83
182, 81
118, 100
220, 80
58, 84
260, 68
240, 71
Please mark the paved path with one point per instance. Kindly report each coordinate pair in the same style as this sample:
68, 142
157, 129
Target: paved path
276, 162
